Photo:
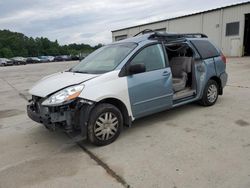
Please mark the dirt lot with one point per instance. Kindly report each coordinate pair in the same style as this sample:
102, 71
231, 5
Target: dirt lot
190, 146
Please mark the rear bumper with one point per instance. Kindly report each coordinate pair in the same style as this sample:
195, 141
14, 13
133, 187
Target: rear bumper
9, 63
223, 78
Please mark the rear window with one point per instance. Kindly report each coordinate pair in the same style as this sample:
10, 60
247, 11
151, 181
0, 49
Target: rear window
205, 49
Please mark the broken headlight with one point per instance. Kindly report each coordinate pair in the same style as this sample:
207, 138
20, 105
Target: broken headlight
64, 95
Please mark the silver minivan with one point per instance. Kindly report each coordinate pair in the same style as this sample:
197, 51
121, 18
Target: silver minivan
127, 80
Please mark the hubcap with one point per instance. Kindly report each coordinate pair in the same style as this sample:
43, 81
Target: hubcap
106, 126
212, 93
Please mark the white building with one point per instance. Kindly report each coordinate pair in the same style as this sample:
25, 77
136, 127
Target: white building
228, 27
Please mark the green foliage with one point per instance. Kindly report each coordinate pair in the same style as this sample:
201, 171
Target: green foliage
6, 52
17, 44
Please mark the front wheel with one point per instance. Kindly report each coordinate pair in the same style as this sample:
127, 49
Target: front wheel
105, 124
210, 93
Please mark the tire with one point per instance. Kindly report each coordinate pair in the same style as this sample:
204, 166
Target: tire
210, 93
105, 124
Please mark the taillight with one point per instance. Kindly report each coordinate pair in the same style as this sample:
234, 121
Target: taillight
224, 59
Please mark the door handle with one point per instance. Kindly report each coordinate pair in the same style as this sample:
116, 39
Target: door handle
166, 73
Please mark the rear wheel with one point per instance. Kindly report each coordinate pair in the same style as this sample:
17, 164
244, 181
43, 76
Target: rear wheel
210, 93
105, 124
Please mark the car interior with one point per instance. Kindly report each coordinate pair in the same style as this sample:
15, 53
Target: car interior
181, 62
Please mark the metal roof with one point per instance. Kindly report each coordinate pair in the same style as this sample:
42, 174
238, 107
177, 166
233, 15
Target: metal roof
211, 10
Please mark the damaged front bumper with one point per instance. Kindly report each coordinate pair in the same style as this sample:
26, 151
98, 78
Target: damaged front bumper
71, 117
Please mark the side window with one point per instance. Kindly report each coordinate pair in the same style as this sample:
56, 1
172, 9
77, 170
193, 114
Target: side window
152, 57
205, 48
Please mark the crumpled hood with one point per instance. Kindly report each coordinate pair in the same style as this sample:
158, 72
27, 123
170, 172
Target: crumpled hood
55, 82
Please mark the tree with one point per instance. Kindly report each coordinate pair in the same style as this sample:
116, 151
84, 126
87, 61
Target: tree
6, 52
17, 44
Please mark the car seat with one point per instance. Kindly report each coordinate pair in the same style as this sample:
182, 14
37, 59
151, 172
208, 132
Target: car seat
180, 67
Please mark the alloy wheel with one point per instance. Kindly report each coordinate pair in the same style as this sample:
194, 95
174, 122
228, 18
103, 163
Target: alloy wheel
212, 93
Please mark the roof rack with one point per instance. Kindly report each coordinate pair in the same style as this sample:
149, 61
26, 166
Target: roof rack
145, 31
156, 34
173, 35
195, 35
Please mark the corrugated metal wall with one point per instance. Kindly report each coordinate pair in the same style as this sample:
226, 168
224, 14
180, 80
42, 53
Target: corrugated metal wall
211, 23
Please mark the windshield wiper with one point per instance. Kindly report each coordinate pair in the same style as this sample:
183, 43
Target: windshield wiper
80, 72
76, 71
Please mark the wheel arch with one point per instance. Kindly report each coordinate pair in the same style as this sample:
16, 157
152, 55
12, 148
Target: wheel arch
218, 81
121, 106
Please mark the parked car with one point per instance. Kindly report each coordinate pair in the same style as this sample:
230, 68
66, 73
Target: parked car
44, 59
5, 62
51, 58
66, 57
74, 57
128, 80
58, 58
2, 63
62, 58
19, 60
33, 60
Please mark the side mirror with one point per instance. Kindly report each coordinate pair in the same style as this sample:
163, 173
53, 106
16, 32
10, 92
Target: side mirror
136, 69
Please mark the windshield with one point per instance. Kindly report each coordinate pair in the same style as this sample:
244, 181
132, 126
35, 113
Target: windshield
104, 59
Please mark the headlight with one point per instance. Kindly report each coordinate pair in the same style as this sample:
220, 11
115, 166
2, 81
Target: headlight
64, 95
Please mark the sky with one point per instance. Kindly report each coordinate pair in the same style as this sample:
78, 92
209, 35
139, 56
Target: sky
91, 21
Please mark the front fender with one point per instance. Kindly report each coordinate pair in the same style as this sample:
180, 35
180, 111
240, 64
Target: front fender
109, 85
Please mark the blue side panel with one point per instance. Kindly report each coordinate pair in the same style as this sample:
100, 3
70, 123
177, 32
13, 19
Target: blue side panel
219, 65
210, 68
150, 92
204, 70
